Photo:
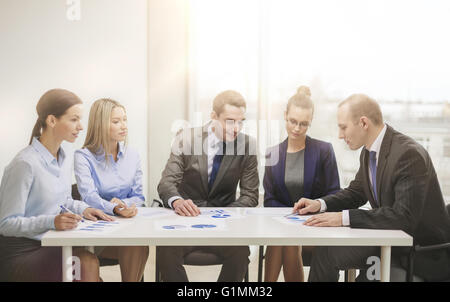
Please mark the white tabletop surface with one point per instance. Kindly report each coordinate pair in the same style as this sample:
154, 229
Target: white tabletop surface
259, 228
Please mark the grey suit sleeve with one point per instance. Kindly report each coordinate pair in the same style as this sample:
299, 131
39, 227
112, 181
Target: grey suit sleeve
200, 202
411, 179
249, 184
171, 178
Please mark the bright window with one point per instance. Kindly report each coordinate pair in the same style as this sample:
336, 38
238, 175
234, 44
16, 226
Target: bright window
395, 51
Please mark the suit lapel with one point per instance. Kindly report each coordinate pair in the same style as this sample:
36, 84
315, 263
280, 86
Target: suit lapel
280, 170
382, 159
367, 183
309, 167
203, 160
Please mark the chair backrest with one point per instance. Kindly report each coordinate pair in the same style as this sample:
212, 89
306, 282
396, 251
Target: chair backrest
199, 257
75, 194
157, 203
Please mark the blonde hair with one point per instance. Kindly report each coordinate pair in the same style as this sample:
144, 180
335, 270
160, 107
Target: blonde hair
97, 137
229, 97
301, 99
362, 105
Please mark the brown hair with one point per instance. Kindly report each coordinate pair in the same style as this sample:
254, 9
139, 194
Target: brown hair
54, 102
301, 99
362, 105
229, 97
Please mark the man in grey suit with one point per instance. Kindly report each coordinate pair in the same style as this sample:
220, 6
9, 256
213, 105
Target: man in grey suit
204, 169
398, 178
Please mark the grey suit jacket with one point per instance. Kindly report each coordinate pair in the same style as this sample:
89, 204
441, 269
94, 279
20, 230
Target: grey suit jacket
407, 188
186, 172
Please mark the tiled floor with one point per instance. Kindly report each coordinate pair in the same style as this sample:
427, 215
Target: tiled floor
195, 273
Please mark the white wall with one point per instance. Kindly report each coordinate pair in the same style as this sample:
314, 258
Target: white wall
167, 80
104, 54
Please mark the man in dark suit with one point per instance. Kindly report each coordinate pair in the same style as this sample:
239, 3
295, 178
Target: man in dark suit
398, 178
204, 169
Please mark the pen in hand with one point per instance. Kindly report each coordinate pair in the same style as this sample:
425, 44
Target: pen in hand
291, 214
69, 211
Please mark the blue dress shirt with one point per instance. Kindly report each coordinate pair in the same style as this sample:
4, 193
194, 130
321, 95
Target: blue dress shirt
33, 187
99, 180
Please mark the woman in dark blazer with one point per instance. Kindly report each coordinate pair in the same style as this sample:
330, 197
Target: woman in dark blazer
298, 167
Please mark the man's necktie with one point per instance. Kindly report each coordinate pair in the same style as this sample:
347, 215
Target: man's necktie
373, 173
216, 165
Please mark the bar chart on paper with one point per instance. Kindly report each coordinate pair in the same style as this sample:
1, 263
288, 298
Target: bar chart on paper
99, 226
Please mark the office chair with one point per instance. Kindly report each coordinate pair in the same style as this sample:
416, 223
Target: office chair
198, 258
102, 261
418, 249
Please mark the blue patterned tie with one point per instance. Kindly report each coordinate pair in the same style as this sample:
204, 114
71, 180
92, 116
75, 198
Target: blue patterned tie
216, 165
373, 173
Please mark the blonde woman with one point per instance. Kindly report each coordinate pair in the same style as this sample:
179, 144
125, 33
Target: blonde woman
306, 167
109, 177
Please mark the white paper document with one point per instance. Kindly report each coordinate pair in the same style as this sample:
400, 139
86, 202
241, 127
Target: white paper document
153, 212
269, 211
219, 214
98, 227
190, 224
293, 219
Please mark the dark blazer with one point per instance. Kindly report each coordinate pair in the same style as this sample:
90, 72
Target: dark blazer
407, 188
186, 172
321, 176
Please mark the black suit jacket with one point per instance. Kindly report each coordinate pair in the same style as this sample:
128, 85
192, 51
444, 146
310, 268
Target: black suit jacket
186, 172
407, 188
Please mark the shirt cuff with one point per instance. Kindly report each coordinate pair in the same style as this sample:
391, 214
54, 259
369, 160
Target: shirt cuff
50, 222
323, 205
81, 208
109, 208
172, 199
345, 218
133, 200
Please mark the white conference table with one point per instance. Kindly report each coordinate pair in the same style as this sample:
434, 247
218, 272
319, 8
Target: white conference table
258, 228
